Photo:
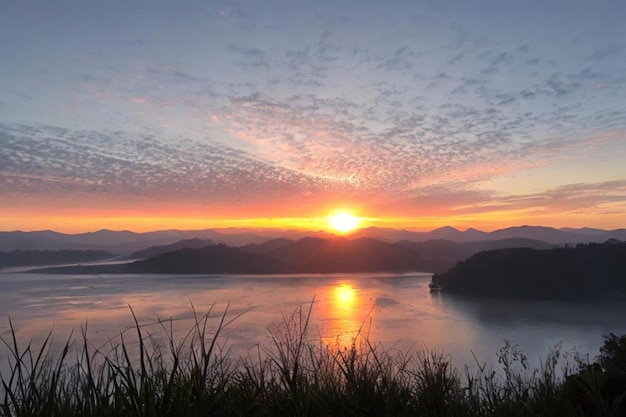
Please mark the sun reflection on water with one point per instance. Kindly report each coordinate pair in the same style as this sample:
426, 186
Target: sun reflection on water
345, 315
344, 295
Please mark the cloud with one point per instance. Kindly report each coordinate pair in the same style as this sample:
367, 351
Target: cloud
247, 103
601, 53
50, 161
254, 59
565, 200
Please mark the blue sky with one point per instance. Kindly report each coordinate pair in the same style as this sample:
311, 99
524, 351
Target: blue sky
435, 112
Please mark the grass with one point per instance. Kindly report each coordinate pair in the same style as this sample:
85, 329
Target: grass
149, 374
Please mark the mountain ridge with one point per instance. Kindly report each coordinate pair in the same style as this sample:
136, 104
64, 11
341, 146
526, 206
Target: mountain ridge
181, 244
312, 255
127, 242
307, 255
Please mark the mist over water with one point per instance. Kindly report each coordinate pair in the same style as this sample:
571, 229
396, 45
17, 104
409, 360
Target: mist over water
397, 311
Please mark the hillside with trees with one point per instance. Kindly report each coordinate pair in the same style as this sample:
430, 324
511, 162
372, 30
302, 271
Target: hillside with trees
212, 259
583, 271
307, 255
182, 244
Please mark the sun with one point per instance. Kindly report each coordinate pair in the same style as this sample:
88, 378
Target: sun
343, 222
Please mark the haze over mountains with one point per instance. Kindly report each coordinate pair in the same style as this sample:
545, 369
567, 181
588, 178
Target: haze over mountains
126, 243
248, 251
363, 254
306, 255
194, 243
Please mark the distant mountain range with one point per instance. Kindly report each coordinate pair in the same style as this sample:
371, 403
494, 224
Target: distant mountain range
306, 255
317, 255
20, 257
545, 234
447, 250
181, 244
127, 243
435, 251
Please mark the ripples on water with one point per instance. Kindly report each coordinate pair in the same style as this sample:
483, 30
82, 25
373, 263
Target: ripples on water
394, 310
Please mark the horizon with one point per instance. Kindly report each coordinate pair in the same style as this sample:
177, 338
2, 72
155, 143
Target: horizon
411, 114
327, 230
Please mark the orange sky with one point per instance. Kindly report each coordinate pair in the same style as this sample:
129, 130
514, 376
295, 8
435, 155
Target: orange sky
411, 114
83, 220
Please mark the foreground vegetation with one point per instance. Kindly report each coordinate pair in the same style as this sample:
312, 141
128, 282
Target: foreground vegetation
297, 375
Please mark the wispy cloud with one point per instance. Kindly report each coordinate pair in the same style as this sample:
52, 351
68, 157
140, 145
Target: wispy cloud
242, 104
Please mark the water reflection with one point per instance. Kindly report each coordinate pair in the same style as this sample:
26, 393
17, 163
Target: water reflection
344, 296
396, 311
341, 313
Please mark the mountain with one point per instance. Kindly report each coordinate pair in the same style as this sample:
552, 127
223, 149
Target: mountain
581, 272
216, 259
119, 242
547, 234
268, 246
344, 255
444, 233
181, 244
46, 257
450, 233
126, 242
307, 255
559, 236
448, 250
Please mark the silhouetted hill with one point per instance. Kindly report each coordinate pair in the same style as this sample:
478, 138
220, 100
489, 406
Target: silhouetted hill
582, 272
48, 257
546, 234
457, 251
126, 242
268, 246
558, 236
450, 233
344, 255
181, 244
307, 255
217, 259
120, 242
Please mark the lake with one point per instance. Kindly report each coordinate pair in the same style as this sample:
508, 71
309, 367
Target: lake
397, 311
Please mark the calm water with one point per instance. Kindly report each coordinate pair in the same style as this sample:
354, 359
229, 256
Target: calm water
396, 311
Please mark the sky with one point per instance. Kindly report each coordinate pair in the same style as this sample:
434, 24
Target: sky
147, 115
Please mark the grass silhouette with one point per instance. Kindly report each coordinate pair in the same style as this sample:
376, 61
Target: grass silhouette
150, 373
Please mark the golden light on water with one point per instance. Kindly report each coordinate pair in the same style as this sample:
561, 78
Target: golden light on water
344, 295
344, 315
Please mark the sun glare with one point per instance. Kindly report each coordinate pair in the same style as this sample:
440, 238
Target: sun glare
344, 295
343, 222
